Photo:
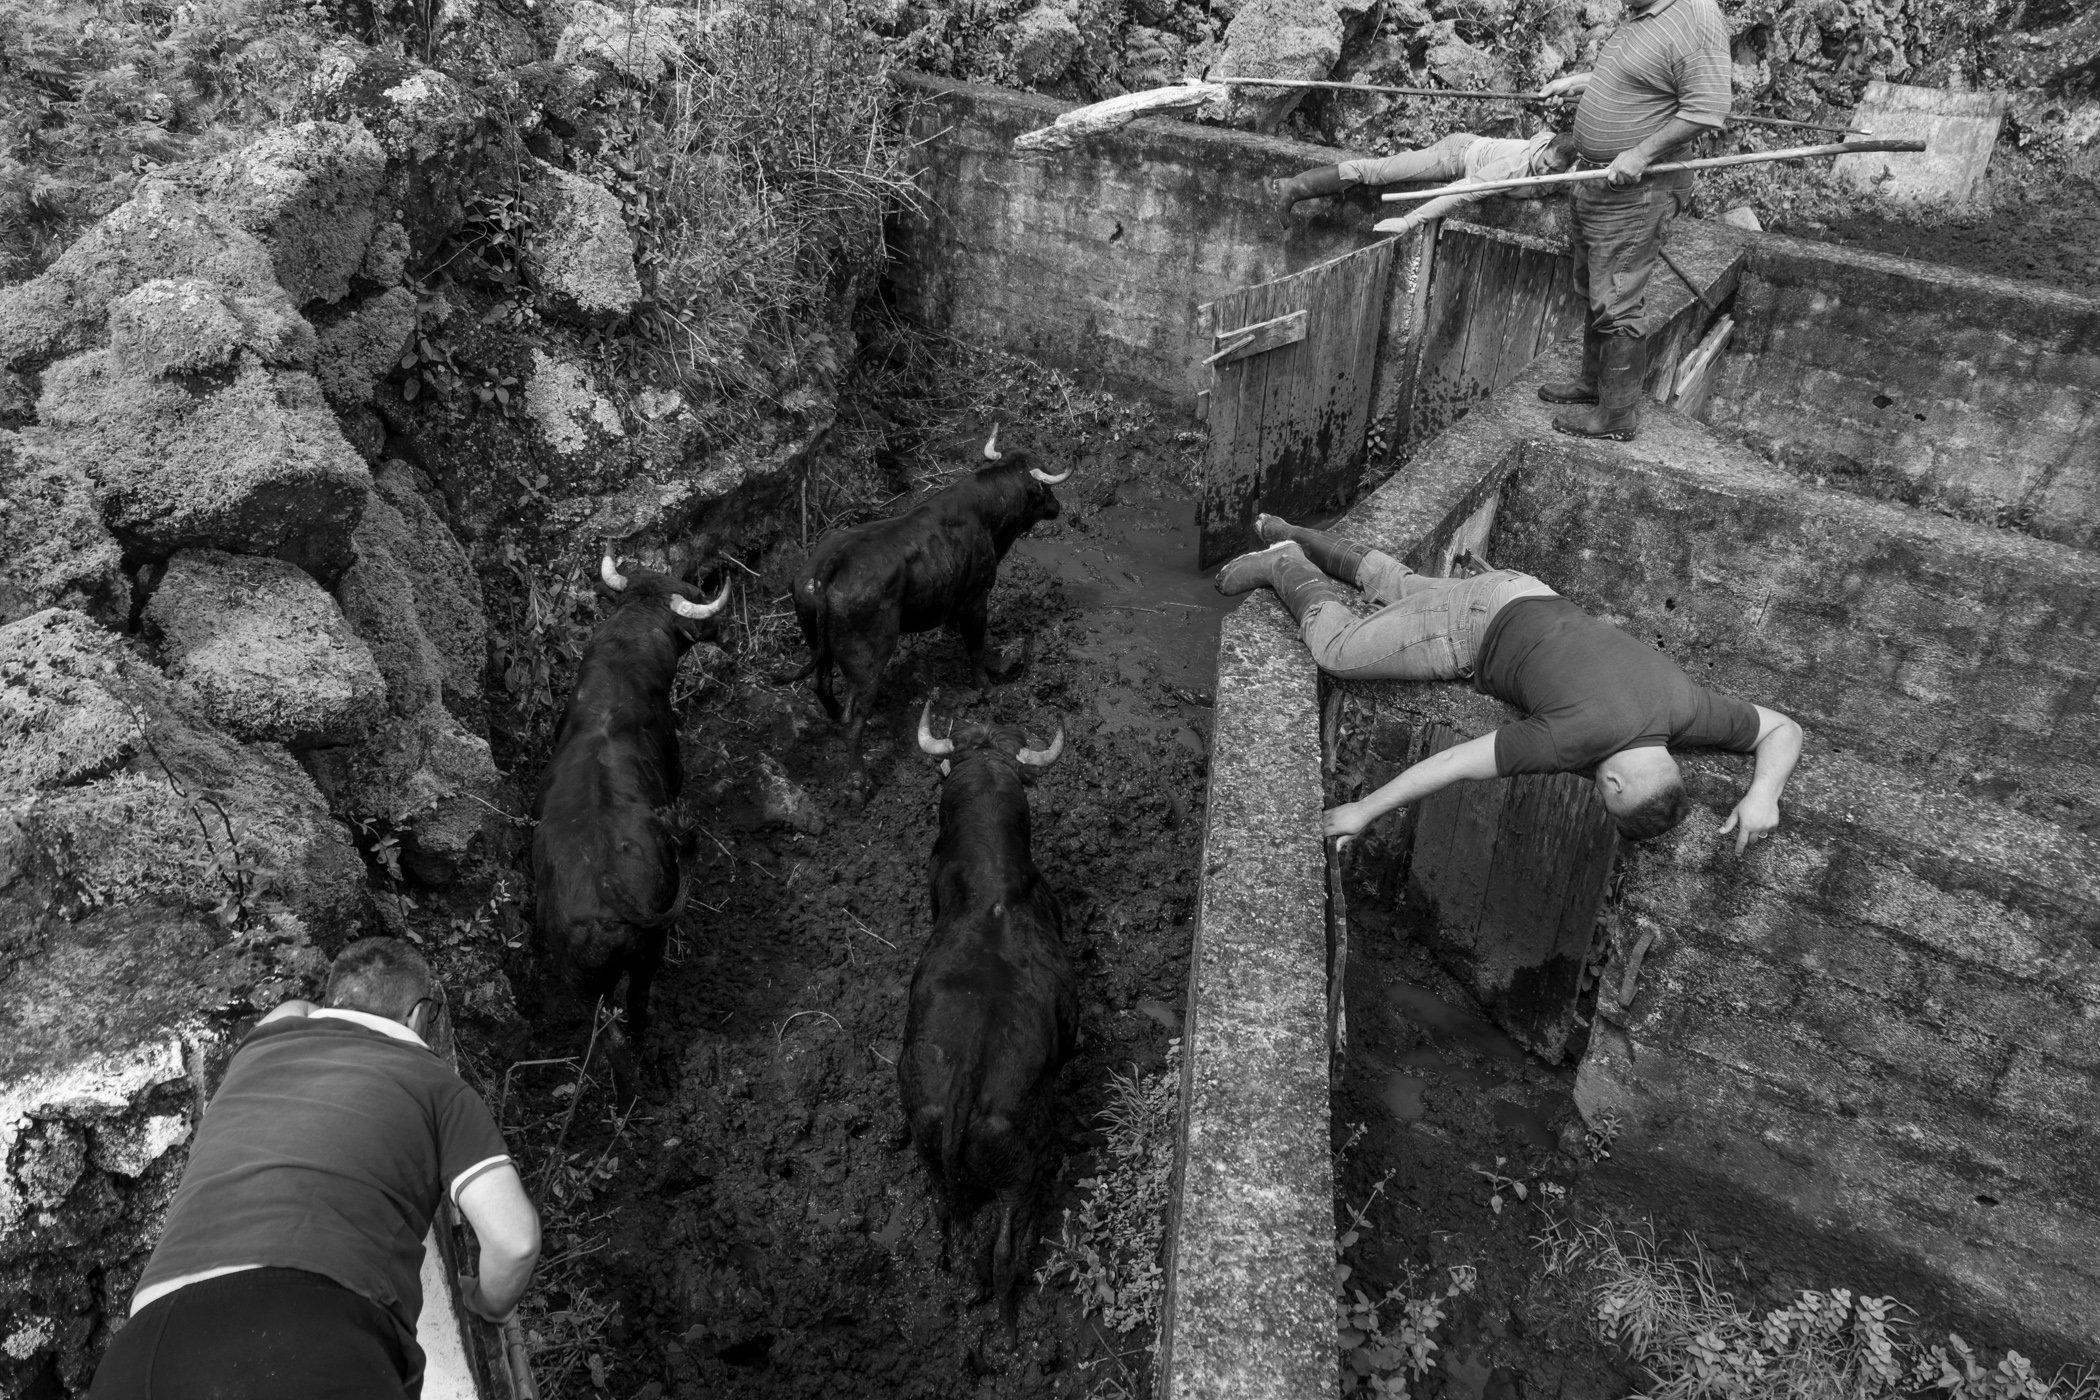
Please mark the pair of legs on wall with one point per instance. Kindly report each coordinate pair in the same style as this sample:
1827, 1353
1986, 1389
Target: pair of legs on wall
1425, 629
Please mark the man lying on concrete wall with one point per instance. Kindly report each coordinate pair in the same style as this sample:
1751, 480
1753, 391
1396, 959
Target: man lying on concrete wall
292, 1259
1459, 156
1594, 699
1661, 80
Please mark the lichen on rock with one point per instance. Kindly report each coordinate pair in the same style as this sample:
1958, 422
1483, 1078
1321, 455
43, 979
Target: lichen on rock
1298, 39
1044, 44
310, 192
641, 41
425, 780
189, 326
54, 548
357, 351
254, 465
561, 400
268, 653
578, 252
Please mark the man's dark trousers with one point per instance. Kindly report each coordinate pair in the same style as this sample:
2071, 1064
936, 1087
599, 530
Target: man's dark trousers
1618, 237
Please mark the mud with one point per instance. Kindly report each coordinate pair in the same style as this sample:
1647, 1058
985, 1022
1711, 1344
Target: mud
1432, 1098
754, 1227
2054, 241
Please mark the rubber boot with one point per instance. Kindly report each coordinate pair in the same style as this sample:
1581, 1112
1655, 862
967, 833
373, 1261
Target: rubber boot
1584, 388
1283, 567
1333, 556
1313, 184
1621, 368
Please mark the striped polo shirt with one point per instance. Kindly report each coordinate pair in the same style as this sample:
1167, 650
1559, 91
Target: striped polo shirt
1669, 60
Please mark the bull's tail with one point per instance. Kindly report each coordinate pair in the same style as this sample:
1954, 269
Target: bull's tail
813, 611
956, 1115
1007, 1260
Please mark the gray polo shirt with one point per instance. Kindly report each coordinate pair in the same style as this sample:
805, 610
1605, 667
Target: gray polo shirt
1668, 61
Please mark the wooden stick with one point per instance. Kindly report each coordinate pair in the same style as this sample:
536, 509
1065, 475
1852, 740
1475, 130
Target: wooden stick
1454, 93
1575, 177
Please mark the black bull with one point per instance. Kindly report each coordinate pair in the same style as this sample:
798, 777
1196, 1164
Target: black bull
994, 1003
865, 587
604, 857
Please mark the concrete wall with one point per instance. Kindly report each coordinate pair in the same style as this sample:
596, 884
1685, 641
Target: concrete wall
1095, 259
1900, 379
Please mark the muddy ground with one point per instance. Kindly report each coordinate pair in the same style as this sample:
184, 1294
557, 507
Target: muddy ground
753, 1228
2052, 237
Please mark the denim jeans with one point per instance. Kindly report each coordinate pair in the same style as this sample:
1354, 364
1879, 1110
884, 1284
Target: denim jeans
1618, 236
1429, 629
1446, 160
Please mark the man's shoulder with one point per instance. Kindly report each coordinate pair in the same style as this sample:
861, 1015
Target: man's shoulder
314, 1040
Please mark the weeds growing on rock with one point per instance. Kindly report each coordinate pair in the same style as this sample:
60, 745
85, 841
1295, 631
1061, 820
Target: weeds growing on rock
1670, 1315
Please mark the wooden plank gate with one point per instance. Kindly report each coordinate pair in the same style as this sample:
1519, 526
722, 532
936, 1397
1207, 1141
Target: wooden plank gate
1288, 410
1408, 333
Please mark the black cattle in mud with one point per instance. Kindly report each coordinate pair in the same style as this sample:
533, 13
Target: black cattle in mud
994, 1003
604, 857
865, 587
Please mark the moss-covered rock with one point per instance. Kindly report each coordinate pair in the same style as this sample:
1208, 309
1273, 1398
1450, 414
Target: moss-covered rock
310, 193
426, 781
578, 252
160, 232
189, 326
641, 41
117, 791
54, 548
357, 351
250, 462
415, 599
268, 653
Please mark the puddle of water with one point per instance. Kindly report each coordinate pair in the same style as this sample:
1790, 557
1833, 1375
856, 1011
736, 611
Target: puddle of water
1152, 616
1402, 1094
1452, 1025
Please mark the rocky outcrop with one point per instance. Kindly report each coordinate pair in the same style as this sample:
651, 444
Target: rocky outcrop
54, 548
248, 461
578, 252
309, 193
181, 326
161, 232
433, 132
115, 791
358, 350
1044, 44
568, 409
266, 651
426, 781
415, 599
641, 41
1278, 39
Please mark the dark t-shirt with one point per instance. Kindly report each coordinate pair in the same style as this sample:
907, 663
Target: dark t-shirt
326, 1149
1587, 690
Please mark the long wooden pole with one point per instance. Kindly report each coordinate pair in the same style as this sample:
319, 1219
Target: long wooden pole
1475, 95
1576, 177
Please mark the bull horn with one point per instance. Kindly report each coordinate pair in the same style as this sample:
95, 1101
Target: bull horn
1048, 480
697, 611
1043, 758
991, 445
610, 572
938, 748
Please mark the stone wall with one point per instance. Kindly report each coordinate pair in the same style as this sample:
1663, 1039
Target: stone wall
1095, 259
1969, 394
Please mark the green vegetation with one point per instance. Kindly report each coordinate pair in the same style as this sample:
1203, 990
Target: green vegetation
1669, 1314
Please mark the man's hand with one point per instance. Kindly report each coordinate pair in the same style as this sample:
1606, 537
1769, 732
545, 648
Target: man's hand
1566, 88
1345, 822
476, 1301
1627, 168
1754, 818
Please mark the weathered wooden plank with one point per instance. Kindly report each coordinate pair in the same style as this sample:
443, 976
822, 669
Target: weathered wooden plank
1262, 336
1493, 301
1534, 290
1399, 345
1435, 403
1435, 814
1695, 376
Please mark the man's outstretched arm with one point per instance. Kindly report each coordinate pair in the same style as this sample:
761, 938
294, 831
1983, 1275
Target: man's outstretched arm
1778, 749
1474, 759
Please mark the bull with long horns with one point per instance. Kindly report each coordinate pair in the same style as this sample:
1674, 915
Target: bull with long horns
994, 1009
934, 565
604, 855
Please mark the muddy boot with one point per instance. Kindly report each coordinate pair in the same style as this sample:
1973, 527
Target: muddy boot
1313, 184
1284, 568
1582, 389
1621, 368
1333, 556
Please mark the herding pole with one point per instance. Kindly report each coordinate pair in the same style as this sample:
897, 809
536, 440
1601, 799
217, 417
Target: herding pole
1476, 95
1573, 177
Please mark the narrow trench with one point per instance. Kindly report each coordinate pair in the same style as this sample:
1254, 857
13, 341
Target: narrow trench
753, 1226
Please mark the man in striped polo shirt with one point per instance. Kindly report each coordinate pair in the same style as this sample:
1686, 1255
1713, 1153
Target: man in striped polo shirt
1661, 81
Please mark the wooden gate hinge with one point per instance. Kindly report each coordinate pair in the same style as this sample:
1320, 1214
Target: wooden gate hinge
1257, 338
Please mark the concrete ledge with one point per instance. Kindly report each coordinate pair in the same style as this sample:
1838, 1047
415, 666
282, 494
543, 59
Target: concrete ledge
1249, 1309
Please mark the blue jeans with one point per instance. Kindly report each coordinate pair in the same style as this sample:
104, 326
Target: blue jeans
1618, 235
1429, 629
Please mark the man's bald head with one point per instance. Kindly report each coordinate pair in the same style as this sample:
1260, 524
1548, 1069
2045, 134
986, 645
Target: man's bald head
1643, 791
